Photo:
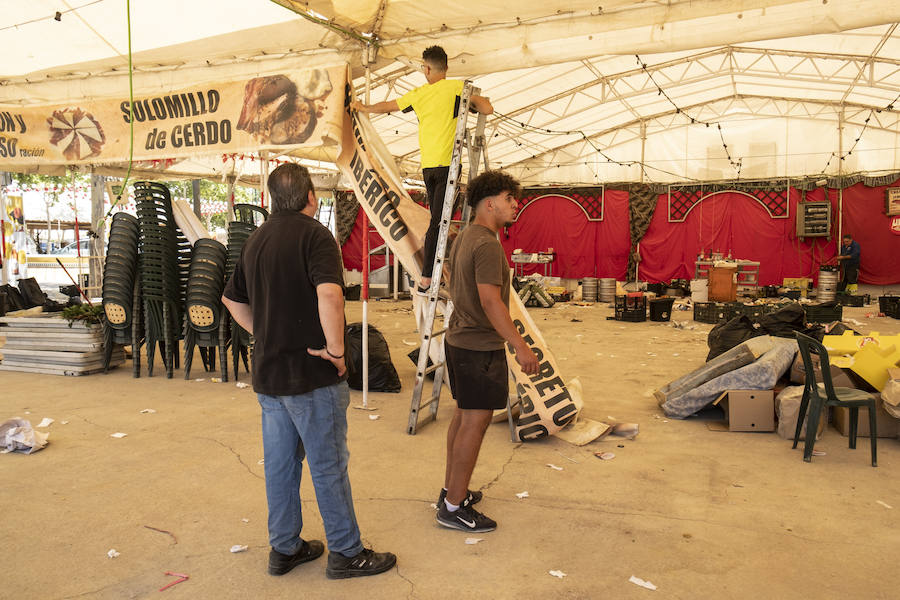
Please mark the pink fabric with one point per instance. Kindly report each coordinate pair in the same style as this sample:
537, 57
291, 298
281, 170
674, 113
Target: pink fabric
583, 248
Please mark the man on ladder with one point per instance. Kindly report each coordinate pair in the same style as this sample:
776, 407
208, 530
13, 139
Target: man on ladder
436, 105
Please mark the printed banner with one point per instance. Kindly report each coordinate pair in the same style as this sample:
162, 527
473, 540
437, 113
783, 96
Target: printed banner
547, 404
282, 112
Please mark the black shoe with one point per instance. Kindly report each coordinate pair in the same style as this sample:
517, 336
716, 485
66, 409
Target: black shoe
279, 563
465, 518
367, 562
472, 497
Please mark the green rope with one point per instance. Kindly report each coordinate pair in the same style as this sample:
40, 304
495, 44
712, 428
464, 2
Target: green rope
130, 119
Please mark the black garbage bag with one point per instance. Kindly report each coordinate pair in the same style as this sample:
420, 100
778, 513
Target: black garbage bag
784, 322
14, 299
729, 334
382, 374
32, 292
414, 357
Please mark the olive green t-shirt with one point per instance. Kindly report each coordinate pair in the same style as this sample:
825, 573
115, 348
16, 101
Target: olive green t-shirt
476, 257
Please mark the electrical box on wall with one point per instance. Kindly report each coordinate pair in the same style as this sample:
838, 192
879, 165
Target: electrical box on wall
892, 201
813, 219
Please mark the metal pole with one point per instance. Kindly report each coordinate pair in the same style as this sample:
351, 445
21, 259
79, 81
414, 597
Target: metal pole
97, 244
365, 280
195, 193
365, 309
4, 259
263, 176
840, 222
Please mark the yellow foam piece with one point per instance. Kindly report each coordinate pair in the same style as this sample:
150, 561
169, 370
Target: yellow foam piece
849, 344
872, 362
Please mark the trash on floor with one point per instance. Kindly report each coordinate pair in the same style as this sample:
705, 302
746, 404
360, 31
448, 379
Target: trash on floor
605, 455
17, 435
147, 411
473, 541
113, 553
238, 548
118, 434
522, 495
641, 582
559, 574
554, 467
45, 422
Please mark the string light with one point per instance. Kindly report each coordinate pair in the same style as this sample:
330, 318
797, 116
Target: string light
872, 111
736, 164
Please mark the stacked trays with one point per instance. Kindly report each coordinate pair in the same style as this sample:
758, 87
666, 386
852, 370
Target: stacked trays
163, 272
247, 218
121, 290
204, 323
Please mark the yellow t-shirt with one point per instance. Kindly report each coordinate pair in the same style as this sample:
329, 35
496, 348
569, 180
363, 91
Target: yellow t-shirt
436, 106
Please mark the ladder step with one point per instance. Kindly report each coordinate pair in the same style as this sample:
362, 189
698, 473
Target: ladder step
433, 368
437, 333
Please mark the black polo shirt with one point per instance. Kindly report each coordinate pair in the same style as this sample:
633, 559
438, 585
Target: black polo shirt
281, 264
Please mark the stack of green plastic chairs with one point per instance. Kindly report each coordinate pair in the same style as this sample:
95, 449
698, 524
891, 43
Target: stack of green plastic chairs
121, 291
163, 272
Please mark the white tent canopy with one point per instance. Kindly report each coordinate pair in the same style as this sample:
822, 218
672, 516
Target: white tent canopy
721, 89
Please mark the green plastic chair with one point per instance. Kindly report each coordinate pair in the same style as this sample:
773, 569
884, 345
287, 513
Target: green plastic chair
812, 399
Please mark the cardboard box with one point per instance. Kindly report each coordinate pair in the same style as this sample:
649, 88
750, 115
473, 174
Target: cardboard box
887, 426
838, 377
748, 410
891, 392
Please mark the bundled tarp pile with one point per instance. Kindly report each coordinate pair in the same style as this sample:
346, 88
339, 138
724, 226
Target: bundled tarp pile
755, 364
533, 294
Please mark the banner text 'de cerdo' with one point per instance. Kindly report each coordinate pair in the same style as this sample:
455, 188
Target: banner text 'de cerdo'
297, 109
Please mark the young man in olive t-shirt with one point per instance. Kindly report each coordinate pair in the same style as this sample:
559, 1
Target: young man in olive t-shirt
436, 105
479, 326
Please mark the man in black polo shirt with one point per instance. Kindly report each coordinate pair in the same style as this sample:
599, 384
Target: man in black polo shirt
287, 290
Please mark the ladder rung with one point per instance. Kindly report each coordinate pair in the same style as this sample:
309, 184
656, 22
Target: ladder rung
436, 333
433, 368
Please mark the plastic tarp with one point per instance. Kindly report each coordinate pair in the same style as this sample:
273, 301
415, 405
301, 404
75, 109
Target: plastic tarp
762, 374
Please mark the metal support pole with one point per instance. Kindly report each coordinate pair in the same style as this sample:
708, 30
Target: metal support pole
98, 243
263, 176
365, 311
840, 222
4, 259
643, 146
195, 194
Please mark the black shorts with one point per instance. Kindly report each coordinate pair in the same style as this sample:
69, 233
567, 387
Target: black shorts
479, 379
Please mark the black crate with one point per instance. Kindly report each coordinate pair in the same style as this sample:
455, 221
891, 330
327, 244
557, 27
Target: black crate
845, 299
716, 312
890, 306
754, 311
631, 308
661, 309
823, 313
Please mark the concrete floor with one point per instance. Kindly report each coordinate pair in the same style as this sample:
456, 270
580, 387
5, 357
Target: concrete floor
700, 514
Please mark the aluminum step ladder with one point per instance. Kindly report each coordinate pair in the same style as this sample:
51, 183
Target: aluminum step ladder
433, 301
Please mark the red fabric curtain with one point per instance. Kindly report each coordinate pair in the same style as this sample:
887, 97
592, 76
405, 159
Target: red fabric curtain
583, 248
352, 249
734, 223
864, 219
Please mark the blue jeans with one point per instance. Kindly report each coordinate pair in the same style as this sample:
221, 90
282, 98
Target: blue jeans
313, 425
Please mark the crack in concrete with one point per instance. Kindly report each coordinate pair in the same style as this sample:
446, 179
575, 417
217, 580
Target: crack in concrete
488, 485
412, 586
238, 456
